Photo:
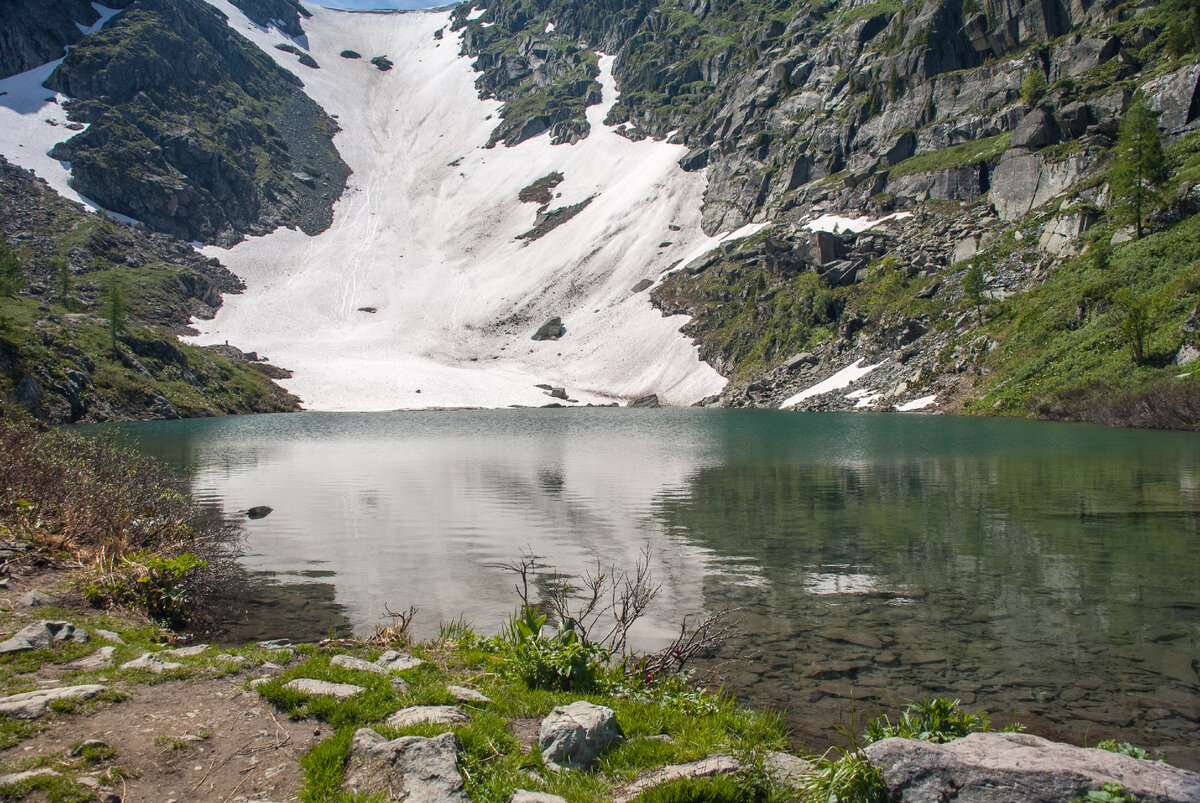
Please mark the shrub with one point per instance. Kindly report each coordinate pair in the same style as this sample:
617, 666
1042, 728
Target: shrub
115, 511
937, 720
1033, 86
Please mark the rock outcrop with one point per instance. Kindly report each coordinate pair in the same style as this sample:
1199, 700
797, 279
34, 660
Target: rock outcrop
193, 130
1001, 767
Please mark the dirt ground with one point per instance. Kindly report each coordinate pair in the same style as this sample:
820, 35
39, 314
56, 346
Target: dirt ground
199, 739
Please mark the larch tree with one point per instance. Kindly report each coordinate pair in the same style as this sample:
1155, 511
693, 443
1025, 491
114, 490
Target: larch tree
1139, 165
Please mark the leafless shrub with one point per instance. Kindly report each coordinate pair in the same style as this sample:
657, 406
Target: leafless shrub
394, 634
697, 638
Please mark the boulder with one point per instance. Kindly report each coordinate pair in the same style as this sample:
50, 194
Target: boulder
100, 659
342, 691
641, 285
1003, 767
465, 695
396, 661
646, 401
707, 767
786, 769
437, 714
1023, 181
552, 329
1060, 234
185, 652
414, 769
1037, 130
1187, 354
34, 599
33, 704
151, 661
350, 662
575, 735
798, 361
259, 512
109, 635
40, 635
965, 249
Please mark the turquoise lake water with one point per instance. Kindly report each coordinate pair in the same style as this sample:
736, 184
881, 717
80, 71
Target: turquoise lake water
1048, 573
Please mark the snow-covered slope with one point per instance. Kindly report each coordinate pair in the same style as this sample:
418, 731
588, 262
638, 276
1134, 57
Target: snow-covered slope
426, 236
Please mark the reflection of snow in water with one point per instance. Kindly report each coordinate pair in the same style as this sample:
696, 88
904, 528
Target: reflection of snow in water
827, 583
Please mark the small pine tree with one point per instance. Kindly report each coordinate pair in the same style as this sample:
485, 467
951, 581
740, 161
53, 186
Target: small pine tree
1033, 85
895, 85
12, 274
1139, 165
115, 309
973, 287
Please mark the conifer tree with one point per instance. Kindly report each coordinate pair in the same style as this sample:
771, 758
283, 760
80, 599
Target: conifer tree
1139, 165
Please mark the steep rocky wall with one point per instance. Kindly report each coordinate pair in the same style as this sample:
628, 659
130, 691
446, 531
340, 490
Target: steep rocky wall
193, 130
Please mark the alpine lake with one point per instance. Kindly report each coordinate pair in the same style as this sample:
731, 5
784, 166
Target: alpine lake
1047, 573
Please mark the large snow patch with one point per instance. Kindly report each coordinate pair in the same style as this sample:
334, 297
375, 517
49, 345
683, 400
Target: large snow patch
425, 236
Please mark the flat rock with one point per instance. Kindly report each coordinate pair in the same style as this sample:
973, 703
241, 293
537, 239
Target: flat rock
152, 661
575, 735
108, 635
350, 662
786, 769
465, 695
707, 767
395, 661
35, 599
40, 635
525, 796
342, 691
100, 659
18, 777
437, 714
1003, 767
185, 652
414, 769
33, 704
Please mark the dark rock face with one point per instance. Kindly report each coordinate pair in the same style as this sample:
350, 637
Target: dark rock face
282, 14
32, 34
194, 131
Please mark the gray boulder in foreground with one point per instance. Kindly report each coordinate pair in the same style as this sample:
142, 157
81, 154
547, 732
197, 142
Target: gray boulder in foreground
414, 769
40, 635
342, 691
1006, 767
575, 735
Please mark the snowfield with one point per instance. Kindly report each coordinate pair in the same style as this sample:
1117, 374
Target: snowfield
425, 235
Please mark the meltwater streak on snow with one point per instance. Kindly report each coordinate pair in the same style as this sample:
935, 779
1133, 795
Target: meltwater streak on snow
32, 121
426, 231
842, 379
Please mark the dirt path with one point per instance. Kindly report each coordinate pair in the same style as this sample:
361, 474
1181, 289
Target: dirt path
189, 740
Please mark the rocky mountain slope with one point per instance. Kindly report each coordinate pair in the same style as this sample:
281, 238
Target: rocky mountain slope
193, 130
993, 123
59, 358
939, 224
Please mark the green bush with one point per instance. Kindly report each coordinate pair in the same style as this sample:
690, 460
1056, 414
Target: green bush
935, 720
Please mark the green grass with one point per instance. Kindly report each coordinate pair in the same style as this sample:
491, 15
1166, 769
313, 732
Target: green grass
988, 149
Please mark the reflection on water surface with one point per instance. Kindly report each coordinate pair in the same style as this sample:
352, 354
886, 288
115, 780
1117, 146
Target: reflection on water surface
1044, 570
